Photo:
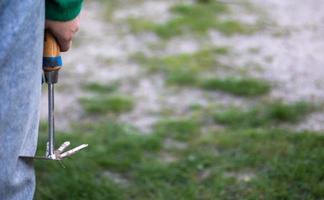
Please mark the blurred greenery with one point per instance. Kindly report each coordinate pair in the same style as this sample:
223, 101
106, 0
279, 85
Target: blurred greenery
189, 69
100, 88
266, 114
179, 129
193, 18
183, 69
237, 86
103, 104
279, 164
206, 152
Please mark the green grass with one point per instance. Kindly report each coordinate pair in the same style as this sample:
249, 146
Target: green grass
184, 69
232, 27
112, 146
187, 70
267, 114
100, 88
103, 104
179, 129
285, 165
200, 60
109, 7
194, 18
237, 86
139, 25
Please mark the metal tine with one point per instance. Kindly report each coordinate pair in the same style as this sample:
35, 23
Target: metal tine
61, 163
63, 146
72, 151
47, 149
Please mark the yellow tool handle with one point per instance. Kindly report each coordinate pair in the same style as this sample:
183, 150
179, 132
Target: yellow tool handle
52, 60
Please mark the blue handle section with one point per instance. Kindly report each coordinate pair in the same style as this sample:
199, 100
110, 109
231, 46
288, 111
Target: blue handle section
52, 61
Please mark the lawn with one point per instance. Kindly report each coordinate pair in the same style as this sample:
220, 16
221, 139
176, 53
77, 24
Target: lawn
227, 152
248, 159
196, 18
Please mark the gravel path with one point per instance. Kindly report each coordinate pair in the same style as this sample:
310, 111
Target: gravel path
290, 54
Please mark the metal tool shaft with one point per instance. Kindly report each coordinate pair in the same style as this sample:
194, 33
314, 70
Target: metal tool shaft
51, 131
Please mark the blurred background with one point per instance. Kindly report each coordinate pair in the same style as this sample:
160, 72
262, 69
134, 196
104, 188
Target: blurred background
200, 99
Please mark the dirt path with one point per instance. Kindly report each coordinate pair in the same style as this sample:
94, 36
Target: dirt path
297, 55
292, 58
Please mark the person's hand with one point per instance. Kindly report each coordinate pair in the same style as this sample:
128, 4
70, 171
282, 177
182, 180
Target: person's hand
63, 31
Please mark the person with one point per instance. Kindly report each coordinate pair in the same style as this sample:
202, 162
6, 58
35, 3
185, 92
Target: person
22, 26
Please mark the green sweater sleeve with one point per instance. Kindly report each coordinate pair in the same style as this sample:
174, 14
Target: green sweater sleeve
62, 10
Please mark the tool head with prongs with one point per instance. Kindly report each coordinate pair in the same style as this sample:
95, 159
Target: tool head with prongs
58, 154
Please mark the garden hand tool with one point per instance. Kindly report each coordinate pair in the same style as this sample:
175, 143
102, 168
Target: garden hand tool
52, 63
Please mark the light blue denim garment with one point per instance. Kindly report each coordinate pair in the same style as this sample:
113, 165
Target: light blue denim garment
21, 44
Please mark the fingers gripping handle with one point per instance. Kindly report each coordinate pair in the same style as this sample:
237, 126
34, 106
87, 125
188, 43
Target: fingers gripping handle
52, 60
